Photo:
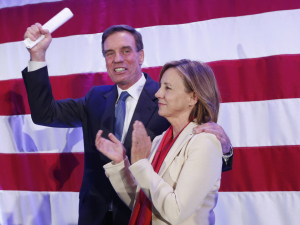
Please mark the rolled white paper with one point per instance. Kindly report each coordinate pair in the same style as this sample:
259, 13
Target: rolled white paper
54, 23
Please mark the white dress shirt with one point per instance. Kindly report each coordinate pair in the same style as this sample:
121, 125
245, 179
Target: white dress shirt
131, 102
33, 65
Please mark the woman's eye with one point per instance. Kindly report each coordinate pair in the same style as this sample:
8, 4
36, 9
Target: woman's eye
167, 88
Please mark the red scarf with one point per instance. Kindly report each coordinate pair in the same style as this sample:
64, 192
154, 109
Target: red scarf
142, 212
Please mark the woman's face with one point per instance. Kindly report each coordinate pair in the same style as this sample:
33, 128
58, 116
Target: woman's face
173, 101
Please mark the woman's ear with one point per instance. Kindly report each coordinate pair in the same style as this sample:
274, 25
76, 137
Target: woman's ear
193, 99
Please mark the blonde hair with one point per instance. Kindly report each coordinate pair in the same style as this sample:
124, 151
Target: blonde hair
199, 78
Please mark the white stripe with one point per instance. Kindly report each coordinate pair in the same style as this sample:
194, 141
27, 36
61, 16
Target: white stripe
253, 36
261, 208
248, 124
262, 123
11, 3
233, 208
38, 208
20, 134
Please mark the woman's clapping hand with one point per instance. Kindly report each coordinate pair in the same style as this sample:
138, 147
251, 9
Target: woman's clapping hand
141, 142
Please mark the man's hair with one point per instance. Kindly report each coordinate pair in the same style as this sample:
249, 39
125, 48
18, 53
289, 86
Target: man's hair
123, 28
198, 77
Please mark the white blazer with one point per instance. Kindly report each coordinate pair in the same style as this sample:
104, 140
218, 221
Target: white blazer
185, 191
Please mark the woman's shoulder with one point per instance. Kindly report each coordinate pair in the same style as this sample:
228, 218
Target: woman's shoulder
204, 141
202, 135
206, 137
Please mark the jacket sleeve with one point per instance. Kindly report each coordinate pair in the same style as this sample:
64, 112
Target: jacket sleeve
44, 109
122, 181
226, 166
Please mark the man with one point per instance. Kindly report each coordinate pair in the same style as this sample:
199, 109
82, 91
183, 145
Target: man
122, 48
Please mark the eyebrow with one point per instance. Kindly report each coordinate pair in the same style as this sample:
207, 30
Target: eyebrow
166, 83
124, 47
109, 50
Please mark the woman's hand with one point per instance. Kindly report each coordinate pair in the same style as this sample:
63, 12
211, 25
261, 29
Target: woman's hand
113, 149
141, 143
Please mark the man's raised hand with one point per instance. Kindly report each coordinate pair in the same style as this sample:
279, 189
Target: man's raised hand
38, 52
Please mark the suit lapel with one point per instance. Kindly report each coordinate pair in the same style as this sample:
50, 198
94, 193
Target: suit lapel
145, 108
181, 141
108, 109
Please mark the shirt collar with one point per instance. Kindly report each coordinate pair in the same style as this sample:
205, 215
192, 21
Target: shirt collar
136, 89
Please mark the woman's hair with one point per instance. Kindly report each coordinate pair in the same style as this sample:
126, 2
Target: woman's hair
198, 77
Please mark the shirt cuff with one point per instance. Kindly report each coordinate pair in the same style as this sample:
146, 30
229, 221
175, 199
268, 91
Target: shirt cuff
33, 65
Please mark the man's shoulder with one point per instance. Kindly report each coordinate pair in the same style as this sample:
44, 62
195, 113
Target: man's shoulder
103, 88
151, 85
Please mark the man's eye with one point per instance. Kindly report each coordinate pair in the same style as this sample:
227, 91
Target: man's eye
108, 54
126, 51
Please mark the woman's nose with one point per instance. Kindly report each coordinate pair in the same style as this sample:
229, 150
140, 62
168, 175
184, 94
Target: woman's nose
158, 93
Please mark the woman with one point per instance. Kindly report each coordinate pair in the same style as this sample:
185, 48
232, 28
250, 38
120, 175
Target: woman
180, 175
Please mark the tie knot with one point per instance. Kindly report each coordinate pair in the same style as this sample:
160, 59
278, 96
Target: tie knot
123, 96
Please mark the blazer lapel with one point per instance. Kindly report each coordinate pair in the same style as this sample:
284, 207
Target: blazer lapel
181, 141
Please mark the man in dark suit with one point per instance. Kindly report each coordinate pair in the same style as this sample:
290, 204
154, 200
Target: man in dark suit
122, 48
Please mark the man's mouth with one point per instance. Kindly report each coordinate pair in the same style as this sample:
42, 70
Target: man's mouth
119, 69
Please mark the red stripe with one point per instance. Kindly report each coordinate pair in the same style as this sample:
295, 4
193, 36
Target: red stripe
94, 16
254, 169
41, 171
274, 77
239, 81
13, 95
263, 169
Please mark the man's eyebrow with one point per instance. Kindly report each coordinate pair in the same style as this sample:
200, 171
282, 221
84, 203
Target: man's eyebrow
108, 50
126, 47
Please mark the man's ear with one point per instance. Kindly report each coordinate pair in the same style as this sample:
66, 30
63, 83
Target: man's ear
141, 57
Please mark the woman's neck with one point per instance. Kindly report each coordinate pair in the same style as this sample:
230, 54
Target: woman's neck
178, 125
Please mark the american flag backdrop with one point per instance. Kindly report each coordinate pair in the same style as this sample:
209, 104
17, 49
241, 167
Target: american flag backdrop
253, 46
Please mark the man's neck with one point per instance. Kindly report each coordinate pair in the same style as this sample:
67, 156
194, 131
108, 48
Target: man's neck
125, 87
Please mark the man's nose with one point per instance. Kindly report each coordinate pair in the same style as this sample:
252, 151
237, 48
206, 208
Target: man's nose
118, 58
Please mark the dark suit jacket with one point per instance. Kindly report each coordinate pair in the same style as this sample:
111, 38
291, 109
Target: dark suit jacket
93, 112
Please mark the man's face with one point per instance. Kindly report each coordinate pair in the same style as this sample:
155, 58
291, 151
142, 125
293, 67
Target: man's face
123, 62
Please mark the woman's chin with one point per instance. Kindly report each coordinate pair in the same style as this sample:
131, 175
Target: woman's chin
160, 113
163, 114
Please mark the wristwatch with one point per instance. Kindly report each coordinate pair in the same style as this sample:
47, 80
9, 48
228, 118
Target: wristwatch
228, 155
